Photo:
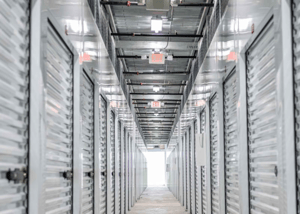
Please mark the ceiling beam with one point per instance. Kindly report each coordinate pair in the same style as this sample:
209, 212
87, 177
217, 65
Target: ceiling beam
139, 57
125, 44
161, 76
157, 84
158, 35
154, 93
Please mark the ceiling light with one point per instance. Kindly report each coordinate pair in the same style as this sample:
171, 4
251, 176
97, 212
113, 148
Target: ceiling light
156, 114
156, 24
156, 88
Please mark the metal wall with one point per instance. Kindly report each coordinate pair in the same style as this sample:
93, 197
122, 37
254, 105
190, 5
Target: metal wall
250, 118
61, 117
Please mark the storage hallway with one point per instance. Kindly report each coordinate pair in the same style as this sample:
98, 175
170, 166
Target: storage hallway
90, 89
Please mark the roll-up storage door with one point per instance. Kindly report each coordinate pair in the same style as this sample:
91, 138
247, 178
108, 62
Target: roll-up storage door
119, 164
103, 146
262, 123
191, 169
14, 94
112, 160
124, 169
87, 138
231, 144
58, 182
296, 57
196, 171
186, 170
214, 154
203, 172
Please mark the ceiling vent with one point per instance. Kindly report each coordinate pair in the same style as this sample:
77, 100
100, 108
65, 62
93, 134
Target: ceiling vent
158, 5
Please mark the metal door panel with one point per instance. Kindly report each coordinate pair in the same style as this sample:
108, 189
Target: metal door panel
262, 123
112, 160
196, 170
191, 170
214, 154
14, 112
119, 164
203, 173
231, 144
296, 54
87, 137
59, 123
103, 154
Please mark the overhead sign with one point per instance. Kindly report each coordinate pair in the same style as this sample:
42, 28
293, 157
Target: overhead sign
155, 104
157, 58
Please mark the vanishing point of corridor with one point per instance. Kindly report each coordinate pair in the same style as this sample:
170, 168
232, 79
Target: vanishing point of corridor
158, 200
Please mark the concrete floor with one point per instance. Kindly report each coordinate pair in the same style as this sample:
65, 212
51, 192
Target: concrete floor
157, 200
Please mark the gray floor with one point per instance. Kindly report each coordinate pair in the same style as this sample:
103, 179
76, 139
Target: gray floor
157, 200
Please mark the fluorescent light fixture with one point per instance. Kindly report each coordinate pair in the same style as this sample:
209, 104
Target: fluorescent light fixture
156, 114
156, 25
156, 89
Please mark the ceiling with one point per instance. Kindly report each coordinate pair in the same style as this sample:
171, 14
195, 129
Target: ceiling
171, 77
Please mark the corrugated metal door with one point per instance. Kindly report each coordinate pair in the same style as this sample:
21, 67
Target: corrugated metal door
59, 123
296, 30
186, 170
14, 93
196, 171
262, 123
87, 137
214, 154
112, 160
119, 164
203, 172
231, 144
103, 142
191, 169
124, 169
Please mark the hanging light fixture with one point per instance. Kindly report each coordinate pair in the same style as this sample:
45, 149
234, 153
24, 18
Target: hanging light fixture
156, 24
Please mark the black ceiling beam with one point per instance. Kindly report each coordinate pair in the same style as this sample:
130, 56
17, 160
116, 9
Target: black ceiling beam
122, 3
157, 100
139, 57
156, 93
151, 73
129, 3
156, 117
157, 108
156, 113
143, 103
196, 4
155, 84
157, 35
155, 121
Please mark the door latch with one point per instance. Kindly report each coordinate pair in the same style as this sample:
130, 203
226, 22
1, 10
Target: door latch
16, 176
68, 175
91, 174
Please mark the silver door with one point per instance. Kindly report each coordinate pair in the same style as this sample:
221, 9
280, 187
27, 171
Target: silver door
124, 169
296, 29
231, 144
103, 154
58, 175
196, 170
203, 172
262, 123
119, 165
112, 161
14, 94
191, 169
214, 154
187, 171
87, 138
